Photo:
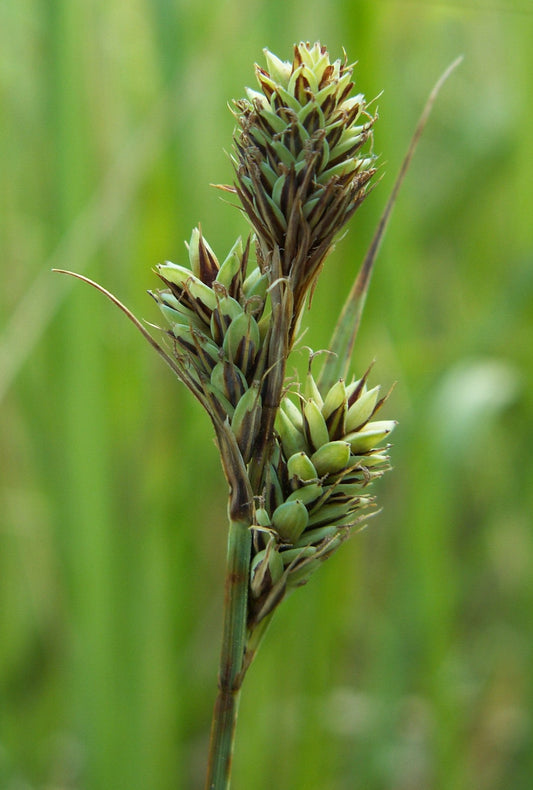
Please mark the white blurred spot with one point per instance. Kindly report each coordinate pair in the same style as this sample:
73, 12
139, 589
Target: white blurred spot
470, 396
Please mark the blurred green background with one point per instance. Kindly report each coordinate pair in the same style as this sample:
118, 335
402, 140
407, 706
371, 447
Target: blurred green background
406, 663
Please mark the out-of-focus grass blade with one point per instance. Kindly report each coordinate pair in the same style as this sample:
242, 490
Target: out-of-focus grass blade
86, 233
342, 342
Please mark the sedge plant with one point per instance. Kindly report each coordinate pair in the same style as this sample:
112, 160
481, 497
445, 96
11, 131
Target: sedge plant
299, 457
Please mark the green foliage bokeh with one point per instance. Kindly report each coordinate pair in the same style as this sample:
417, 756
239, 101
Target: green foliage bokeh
406, 663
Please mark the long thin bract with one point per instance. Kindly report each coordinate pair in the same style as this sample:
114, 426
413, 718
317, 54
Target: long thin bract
343, 339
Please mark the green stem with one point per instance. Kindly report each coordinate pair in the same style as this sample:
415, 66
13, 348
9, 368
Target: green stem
231, 658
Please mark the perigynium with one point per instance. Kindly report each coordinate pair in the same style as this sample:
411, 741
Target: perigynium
298, 457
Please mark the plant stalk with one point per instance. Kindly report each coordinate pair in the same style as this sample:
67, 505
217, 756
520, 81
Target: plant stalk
231, 657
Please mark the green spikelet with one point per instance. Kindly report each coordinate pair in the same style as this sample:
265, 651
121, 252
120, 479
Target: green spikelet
292, 439
331, 457
176, 312
201, 348
307, 494
194, 293
184, 278
266, 569
301, 467
204, 263
293, 413
335, 399
312, 392
328, 514
273, 490
315, 426
291, 555
362, 409
246, 421
226, 311
335, 409
290, 519
316, 536
227, 378
256, 284
241, 341
231, 267
372, 434
262, 518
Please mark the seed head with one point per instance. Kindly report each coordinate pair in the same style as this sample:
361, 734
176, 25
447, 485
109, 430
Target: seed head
328, 453
300, 167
